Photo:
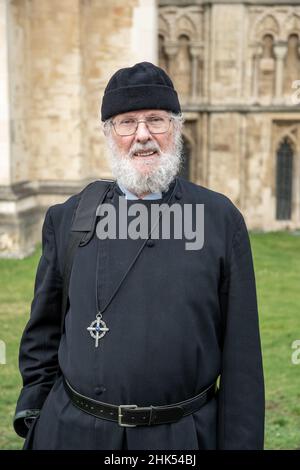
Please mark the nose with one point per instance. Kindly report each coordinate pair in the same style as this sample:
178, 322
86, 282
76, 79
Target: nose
142, 133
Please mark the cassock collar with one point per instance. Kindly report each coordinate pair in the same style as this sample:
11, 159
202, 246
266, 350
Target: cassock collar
174, 186
129, 195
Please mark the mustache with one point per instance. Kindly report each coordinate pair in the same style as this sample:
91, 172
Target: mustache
150, 146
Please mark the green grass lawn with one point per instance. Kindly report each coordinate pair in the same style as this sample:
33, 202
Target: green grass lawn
277, 268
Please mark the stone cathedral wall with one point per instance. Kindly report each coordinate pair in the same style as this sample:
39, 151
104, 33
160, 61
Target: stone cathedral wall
233, 63
57, 58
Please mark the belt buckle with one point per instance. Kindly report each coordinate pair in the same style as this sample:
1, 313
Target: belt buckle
132, 407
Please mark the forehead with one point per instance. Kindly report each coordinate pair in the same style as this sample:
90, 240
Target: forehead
142, 112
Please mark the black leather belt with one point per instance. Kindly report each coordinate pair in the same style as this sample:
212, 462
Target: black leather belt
132, 415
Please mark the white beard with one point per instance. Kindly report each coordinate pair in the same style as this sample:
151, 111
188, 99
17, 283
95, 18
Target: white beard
158, 179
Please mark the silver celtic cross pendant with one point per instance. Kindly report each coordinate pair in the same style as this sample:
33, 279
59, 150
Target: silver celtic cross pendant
97, 329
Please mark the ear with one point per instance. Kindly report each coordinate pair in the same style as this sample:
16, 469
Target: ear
104, 129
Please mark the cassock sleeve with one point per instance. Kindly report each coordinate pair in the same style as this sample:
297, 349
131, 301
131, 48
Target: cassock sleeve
241, 393
38, 354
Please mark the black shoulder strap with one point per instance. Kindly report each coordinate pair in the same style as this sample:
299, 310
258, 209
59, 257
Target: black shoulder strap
82, 230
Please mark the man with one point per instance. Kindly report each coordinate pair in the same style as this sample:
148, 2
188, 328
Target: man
151, 325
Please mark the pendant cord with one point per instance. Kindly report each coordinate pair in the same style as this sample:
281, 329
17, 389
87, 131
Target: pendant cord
133, 261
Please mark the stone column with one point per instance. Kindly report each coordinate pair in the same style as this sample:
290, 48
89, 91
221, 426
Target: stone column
256, 59
40, 92
5, 176
280, 50
196, 54
144, 33
171, 50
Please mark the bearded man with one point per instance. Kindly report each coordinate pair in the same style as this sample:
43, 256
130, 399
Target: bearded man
160, 347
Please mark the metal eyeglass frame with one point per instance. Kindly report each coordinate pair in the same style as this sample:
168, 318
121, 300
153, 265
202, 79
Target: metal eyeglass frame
136, 127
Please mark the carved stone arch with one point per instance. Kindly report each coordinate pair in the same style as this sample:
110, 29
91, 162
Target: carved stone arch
267, 33
167, 39
182, 70
185, 26
293, 135
287, 134
294, 33
180, 34
291, 25
265, 45
163, 27
167, 21
291, 62
266, 67
263, 77
266, 24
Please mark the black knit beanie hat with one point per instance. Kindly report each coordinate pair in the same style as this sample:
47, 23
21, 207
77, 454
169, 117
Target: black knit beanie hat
143, 86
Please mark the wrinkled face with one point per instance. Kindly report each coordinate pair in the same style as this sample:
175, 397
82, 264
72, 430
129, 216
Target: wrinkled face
143, 147
145, 161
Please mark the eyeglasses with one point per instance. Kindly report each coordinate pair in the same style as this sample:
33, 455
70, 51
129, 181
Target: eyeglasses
155, 124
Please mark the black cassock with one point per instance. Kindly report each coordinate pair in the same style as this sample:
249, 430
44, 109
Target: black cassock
167, 338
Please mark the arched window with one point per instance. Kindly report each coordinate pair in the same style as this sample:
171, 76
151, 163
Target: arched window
268, 47
186, 153
182, 70
267, 67
284, 179
292, 63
